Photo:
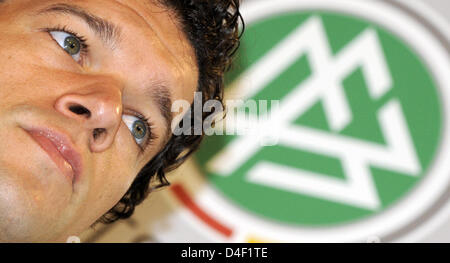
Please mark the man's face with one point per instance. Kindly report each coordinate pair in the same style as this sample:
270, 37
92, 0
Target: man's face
73, 132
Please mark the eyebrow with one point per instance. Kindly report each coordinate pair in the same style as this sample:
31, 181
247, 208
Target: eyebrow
161, 95
109, 33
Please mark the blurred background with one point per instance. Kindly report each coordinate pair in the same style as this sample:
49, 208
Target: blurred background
359, 152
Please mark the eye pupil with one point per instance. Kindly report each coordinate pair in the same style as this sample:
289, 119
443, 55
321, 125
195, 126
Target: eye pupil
72, 45
139, 129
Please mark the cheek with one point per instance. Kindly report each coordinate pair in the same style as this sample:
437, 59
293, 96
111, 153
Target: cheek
31, 71
114, 173
26, 212
32, 197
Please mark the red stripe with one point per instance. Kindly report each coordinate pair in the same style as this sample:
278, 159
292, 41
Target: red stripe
184, 197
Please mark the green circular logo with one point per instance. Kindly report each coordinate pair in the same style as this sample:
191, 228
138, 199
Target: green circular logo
359, 120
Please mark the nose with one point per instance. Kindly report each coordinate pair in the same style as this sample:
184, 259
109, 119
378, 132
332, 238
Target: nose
99, 111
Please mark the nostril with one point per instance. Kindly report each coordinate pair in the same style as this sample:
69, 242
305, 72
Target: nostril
98, 138
98, 132
80, 110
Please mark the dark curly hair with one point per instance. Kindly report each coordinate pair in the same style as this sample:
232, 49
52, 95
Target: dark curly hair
212, 27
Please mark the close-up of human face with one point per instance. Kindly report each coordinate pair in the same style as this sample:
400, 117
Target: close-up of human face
85, 95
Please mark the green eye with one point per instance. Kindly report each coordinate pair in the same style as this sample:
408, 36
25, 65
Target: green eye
139, 129
72, 45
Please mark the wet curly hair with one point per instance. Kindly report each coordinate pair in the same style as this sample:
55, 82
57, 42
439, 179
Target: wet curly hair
213, 28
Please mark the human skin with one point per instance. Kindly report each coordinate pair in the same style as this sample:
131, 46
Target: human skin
39, 82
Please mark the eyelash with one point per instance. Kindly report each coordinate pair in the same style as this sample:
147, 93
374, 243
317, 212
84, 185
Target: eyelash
83, 41
83, 53
149, 124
